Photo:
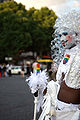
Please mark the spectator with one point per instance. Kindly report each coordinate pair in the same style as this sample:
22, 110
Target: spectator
0, 71
9, 70
34, 66
4, 70
22, 71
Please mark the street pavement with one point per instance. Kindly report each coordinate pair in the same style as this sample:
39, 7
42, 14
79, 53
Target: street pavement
16, 100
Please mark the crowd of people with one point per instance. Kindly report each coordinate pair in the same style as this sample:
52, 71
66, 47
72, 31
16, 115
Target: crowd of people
5, 70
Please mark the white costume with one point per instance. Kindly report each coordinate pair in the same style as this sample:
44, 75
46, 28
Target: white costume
67, 33
72, 79
49, 101
71, 68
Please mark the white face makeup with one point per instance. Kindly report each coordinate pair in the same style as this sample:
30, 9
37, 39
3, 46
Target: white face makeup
68, 40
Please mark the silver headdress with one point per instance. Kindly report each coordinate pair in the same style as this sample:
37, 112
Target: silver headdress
69, 23
67, 31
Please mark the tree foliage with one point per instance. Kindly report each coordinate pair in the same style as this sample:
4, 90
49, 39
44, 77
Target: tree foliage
22, 29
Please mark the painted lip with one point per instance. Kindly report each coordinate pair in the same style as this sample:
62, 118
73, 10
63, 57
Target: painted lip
63, 43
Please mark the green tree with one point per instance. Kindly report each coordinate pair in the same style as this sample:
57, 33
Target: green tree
43, 28
14, 33
22, 29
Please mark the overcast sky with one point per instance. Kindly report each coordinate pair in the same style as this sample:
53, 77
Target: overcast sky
59, 6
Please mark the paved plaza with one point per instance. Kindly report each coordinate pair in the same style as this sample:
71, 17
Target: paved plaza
16, 101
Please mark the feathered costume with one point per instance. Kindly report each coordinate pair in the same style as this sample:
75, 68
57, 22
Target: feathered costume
37, 83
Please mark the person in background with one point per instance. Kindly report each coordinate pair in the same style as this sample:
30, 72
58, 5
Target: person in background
4, 70
0, 70
22, 71
34, 66
9, 70
28, 68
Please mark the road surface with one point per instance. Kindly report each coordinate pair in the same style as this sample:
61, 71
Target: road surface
16, 101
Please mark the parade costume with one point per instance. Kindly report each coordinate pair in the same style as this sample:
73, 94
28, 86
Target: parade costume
68, 29
67, 61
66, 109
49, 101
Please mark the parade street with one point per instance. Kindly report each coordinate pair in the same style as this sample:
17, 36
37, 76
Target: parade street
16, 101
